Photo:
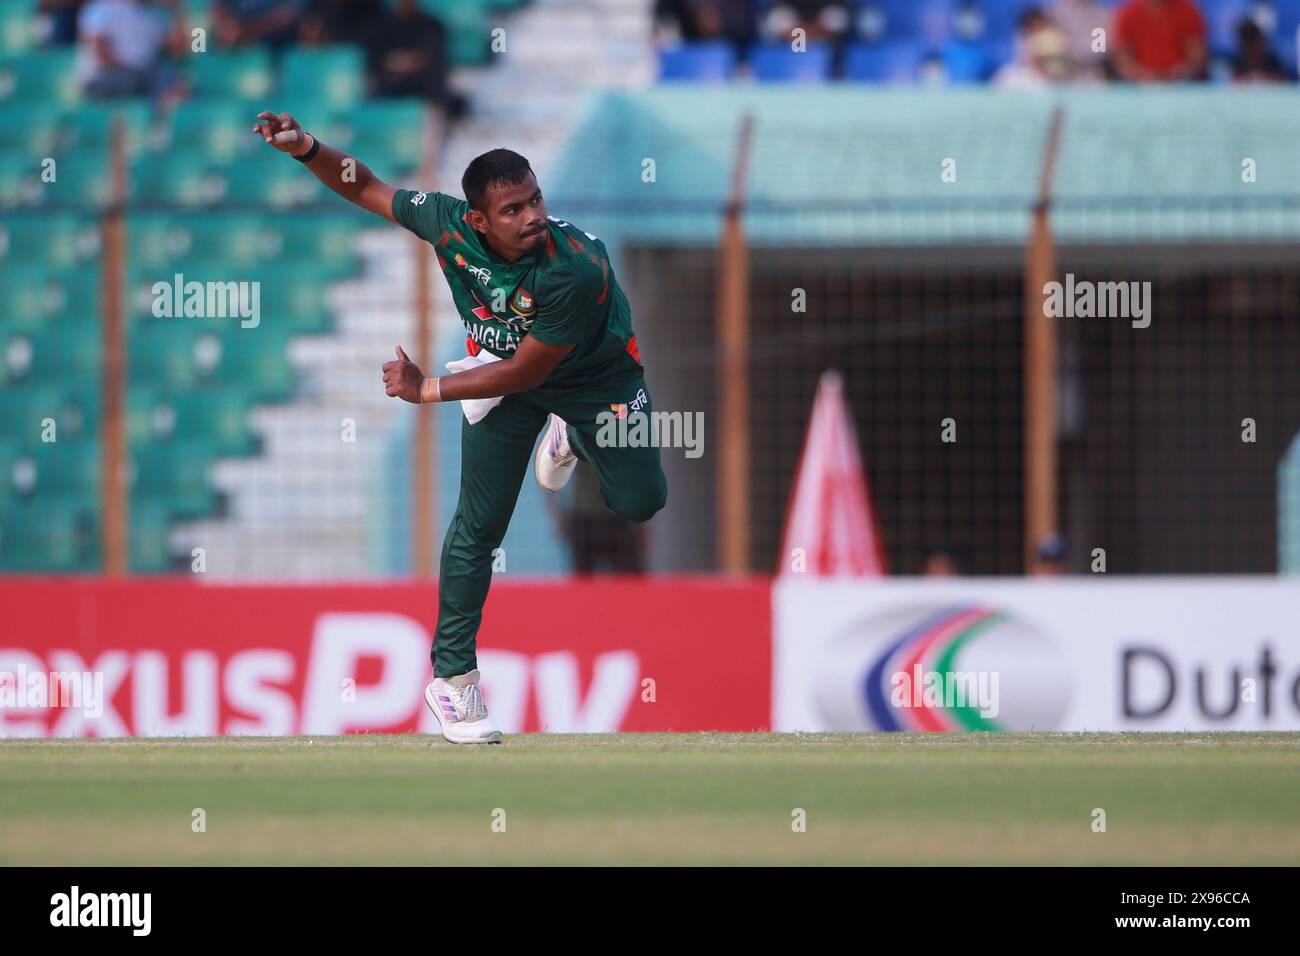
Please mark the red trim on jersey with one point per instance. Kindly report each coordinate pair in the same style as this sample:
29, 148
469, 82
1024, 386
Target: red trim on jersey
471, 346
632, 349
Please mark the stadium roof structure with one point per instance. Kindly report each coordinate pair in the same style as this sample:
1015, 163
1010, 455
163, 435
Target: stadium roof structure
839, 165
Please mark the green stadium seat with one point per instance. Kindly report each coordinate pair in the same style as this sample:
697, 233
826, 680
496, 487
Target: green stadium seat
141, 278
47, 78
19, 27
77, 183
387, 132
48, 506
269, 181
142, 425
296, 300
176, 475
469, 28
236, 238
31, 300
75, 412
90, 126
17, 355
219, 131
172, 353
332, 75
77, 296
17, 472
156, 240
20, 181
44, 535
245, 75
184, 180
258, 361
291, 294
147, 541
81, 181
74, 348
192, 268
217, 418
67, 469
325, 240
187, 354
30, 130
58, 240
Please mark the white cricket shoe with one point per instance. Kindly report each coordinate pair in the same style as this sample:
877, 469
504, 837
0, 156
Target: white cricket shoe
458, 704
555, 459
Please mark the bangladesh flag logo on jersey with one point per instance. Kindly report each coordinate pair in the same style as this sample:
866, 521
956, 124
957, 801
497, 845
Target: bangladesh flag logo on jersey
522, 303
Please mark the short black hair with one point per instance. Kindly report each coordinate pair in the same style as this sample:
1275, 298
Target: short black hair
1031, 16
1248, 30
495, 167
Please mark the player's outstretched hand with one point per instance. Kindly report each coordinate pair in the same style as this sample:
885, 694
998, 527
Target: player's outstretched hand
281, 131
403, 378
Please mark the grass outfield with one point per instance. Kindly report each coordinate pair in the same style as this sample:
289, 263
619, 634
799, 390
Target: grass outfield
656, 798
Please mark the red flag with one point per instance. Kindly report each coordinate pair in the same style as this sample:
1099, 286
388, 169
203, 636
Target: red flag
830, 516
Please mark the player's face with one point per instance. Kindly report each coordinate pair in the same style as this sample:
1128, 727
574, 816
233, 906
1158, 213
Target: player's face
516, 217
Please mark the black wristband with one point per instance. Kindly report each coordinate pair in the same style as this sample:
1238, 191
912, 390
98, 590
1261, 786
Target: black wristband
308, 156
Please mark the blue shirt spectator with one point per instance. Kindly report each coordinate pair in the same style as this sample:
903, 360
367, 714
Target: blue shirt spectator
120, 48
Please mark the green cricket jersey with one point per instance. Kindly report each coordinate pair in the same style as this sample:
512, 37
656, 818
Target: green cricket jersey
564, 294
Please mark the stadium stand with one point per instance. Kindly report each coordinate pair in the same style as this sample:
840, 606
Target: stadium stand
200, 188
217, 418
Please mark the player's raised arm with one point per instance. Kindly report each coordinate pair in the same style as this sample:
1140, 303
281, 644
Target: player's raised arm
281, 131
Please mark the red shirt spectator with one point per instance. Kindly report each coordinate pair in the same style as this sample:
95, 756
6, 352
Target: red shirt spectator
1159, 40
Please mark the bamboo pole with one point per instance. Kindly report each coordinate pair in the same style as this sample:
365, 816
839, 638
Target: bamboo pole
114, 503
1041, 517
733, 531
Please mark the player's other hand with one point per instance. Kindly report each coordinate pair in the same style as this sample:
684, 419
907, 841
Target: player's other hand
281, 131
403, 378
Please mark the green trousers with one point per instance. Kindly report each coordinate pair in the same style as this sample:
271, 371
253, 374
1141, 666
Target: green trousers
496, 456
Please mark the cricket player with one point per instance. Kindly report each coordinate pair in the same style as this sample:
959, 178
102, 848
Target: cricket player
550, 336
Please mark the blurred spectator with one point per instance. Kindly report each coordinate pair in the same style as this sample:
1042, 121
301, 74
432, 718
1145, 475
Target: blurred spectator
406, 55
406, 48
1078, 19
1255, 61
969, 22
691, 20
61, 17
943, 561
1050, 558
1158, 41
1042, 55
337, 21
247, 22
600, 539
821, 20
121, 46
